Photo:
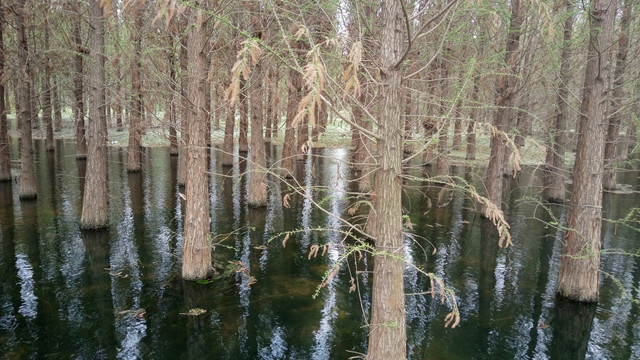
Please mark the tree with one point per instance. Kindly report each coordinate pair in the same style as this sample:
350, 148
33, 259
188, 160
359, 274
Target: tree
78, 84
555, 188
387, 337
579, 276
506, 92
134, 153
27, 172
196, 261
47, 110
5, 151
617, 110
95, 211
257, 196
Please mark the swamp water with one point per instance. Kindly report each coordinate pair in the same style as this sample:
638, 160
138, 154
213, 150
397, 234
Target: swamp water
68, 294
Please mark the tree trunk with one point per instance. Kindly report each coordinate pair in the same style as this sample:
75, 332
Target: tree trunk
171, 104
288, 147
616, 115
196, 262
5, 146
27, 172
257, 196
269, 109
57, 108
46, 89
95, 209
243, 140
579, 276
184, 110
78, 88
134, 153
555, 187
387, 332
505, 96
275, 104
227, 146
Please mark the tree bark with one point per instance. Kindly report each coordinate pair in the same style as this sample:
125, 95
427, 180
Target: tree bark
579, 276
387, 336
243, 139
134, 153
27, 172
171, 103
184, 110
555, 187
196, 262
227, 146
616, 115
78, 87
505, 96
257, 196
46, 88
95, 202
5, 148
57, 108
288, 147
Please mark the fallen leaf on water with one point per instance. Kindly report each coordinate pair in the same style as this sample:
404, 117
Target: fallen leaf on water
194, 312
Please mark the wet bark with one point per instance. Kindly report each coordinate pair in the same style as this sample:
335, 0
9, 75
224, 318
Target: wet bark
387, 335
505, 96
171, 104
555, 186
616, 115
227, 146
196, 262
27, 188
95, 207
78, 87
579, 277
5, 148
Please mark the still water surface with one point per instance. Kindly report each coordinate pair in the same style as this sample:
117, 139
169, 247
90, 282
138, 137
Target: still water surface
65, 293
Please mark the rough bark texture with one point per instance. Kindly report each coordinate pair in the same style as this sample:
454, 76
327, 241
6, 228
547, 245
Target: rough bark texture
555, 187
184, 111
78, 88
95, 209
5, 152
257, 196
196, 261
134, 153
616, 115
387, 336
27, 172
578, 277
504, 102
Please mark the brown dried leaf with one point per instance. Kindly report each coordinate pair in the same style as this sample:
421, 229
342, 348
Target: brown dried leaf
313, 251
285, 200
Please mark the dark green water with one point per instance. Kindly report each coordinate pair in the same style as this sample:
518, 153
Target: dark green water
67, 294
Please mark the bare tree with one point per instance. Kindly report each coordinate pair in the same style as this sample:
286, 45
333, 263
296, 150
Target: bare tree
5, 151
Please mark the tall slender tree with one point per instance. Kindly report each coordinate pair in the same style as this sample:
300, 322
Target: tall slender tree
95, 209
506, 92
617, 110
387, 336
27, 172
47, 110
257, 196
78, 83
579, 274
134, 153
555, 187
5, 148
196, 261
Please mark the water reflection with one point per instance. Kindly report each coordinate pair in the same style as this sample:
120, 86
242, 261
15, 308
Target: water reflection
118, 293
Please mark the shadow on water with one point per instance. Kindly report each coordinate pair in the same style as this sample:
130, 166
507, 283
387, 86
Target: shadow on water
118, 293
